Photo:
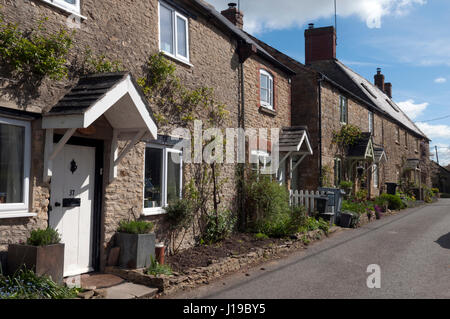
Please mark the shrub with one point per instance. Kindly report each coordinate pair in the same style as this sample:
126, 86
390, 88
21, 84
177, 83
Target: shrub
394, 201
312, 223
435, 190
25, 284
356, 206
347, 187
156, 268
44, 237
179, 213
218, 227
284, 224
135, 227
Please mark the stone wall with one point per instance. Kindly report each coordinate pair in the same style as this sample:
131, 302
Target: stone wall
126, 31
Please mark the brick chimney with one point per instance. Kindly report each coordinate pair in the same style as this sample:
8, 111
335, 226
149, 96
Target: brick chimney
234, 15
388, 89
320, 44
379, 79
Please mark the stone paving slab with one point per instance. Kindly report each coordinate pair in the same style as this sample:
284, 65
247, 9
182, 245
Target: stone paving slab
129, 290
98, 281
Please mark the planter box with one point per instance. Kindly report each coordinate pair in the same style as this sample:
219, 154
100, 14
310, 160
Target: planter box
135, 250
43, 260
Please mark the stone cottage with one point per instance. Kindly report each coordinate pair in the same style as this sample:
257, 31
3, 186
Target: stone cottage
326, 95
83, 153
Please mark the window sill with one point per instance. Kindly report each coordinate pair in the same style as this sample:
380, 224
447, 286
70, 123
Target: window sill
263, 109
66, 10
16, 215
153, 211
172, 57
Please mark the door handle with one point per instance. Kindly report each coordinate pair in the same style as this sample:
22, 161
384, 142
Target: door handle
57, 204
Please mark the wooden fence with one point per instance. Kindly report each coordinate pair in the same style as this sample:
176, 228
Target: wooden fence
304, 198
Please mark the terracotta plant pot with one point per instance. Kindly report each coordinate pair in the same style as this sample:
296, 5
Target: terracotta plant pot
43, 260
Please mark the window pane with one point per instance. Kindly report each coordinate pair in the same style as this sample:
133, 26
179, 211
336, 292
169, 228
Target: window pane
173, 176
166, 29
12, 143
153, 177
271, 91
264, 95
71, 1
181, 37
264, 79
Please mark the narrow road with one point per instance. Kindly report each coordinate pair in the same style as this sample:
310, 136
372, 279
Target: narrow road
411, 248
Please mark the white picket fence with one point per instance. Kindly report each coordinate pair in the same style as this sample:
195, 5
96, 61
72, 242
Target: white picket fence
304, 198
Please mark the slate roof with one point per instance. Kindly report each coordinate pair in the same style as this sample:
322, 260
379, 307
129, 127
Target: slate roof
86, 92
360, 147
339, 73
378, 152
290, 137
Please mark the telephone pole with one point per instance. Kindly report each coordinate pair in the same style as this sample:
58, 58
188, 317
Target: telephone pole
437, 155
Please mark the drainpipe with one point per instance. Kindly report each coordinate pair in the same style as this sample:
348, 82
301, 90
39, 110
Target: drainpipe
319, 82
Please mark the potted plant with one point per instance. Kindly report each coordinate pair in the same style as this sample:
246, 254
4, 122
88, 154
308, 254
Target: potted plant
43, 253
137, 243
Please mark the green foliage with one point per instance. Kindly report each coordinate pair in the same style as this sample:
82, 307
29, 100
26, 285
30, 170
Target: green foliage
179, 213
356, 206
347, 136
217, 227
44, 237
326, 176
34, 52
428, 194
312, 223
135, 227
394, 201
157, 269
346, 185
101, 64
435, 190
261, 236
361, 195
25, 284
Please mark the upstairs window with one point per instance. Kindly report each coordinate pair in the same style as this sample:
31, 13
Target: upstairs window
173, 33
343, 107
397, 135
266, 84
406, 139
69, 5
14, 165
371, 122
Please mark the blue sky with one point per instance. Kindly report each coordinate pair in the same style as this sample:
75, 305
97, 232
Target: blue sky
408, 39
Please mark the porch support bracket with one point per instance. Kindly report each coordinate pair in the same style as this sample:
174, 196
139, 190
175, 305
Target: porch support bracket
51, 152
116, 158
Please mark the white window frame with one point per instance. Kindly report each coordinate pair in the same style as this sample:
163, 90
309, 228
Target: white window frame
375, 175
343, 101
262, 155
166, 153
175, 15
371, 122
268, 105
10, 210
72, 8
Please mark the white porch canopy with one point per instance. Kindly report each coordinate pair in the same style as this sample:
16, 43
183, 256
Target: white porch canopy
294, 141
114, 95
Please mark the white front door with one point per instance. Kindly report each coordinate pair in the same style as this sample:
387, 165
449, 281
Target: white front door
72, 202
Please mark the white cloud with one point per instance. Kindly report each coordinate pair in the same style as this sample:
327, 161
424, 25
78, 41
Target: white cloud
438, 131
412, 109
266, 15
443, 153
440, 80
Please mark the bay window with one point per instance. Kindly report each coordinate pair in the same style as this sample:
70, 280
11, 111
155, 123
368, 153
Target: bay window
162, 177
173, 33
14, 166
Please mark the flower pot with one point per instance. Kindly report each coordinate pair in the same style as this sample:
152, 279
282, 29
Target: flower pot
43, 260
135, 249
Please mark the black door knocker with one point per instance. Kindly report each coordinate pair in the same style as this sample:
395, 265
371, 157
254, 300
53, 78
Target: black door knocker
73, 166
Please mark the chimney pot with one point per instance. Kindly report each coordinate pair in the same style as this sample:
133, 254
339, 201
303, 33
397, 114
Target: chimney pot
320, 44
234, 15
379, 79
388, 89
